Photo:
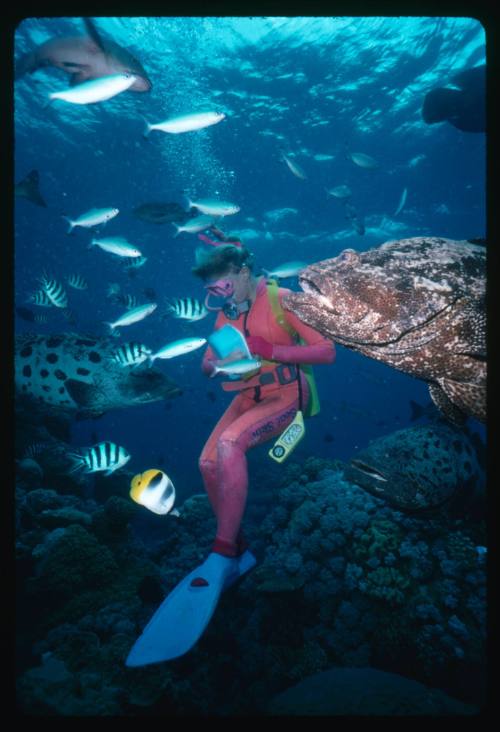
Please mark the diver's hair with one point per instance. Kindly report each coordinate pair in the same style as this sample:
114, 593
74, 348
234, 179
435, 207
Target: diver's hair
224, 258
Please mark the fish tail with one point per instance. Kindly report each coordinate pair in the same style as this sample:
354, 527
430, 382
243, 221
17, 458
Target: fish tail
186, 202
77, 460
111, 325
147, 128
266, 271
151, 361
177, 229
71, 224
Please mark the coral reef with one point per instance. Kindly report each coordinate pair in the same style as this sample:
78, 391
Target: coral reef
342, 579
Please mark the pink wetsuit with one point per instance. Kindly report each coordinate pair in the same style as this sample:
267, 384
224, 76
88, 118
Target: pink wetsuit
257, 414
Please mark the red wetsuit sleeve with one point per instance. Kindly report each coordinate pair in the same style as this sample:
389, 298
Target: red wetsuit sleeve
318, 349
208, 356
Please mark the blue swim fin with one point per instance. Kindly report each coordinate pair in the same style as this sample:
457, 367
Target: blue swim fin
185, 613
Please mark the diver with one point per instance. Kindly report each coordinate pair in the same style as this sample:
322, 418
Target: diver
267, 403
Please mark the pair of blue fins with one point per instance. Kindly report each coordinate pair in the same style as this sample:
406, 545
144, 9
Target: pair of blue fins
183, 616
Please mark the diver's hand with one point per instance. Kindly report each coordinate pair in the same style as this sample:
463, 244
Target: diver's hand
208, 367
260, 347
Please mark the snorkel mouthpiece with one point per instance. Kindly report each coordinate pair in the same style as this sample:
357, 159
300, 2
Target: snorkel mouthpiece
222, 287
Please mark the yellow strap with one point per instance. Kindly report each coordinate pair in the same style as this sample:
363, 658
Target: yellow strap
273, 294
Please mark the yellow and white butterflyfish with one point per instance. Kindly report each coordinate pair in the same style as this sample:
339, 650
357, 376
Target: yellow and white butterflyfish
154, 490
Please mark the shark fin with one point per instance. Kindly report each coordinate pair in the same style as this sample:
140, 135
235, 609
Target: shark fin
92, 31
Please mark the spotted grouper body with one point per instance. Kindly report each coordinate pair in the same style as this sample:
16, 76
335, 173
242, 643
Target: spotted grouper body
417, 305
74, 373
419, 468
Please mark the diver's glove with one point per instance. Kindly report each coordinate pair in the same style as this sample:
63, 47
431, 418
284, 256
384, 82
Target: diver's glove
260, 347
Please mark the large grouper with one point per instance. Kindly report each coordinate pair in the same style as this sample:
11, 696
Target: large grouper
415, 304
76, 374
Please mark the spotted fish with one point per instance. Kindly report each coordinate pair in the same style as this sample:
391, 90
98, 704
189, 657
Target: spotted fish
417, 305
72, 373
420, 468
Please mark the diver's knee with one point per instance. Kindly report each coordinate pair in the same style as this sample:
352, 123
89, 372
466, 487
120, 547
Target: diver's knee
227, 447
206, 465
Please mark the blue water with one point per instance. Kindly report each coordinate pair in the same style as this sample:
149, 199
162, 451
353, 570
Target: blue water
308, 85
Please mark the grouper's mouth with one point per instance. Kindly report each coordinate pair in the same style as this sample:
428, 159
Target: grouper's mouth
310, 288
371, 472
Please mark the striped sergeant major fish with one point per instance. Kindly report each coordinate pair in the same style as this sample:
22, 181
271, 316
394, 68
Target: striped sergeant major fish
77, 281
187, 308
131, 354
54, 291
40, 298
130, 301
105, 456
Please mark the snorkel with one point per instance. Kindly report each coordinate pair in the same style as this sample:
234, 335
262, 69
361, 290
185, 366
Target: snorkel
223, 287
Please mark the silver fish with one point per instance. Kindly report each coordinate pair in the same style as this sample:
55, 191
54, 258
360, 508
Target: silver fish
363, 161
213, 207
239, 367
178, 348
117, 245
193, 226
339, 192
97, 90
293, 167
133, 316
185, 123
94, 217
290, 269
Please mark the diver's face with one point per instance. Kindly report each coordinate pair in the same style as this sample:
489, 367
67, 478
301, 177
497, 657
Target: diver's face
242, 284
236, 283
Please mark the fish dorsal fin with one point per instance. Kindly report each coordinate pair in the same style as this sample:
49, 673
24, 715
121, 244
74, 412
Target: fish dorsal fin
92, 31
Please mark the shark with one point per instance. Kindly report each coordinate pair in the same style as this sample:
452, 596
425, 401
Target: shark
415, 304
84, 57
